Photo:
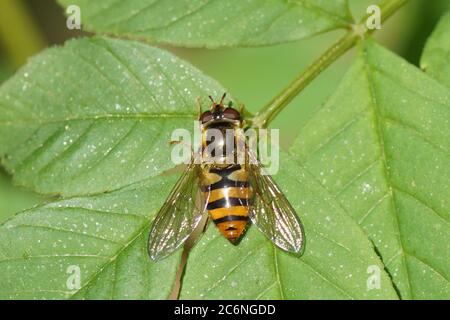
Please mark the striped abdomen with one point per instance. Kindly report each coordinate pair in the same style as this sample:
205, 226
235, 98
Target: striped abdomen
227, 193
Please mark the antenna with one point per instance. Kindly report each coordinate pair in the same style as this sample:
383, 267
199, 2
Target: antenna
211, 98
223, 97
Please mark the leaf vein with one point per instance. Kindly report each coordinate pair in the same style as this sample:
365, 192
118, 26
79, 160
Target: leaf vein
49, 228
382, 147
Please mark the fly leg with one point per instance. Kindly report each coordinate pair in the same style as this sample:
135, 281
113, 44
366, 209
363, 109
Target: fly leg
186, 146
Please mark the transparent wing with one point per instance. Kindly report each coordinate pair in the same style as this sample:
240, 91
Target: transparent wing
272, 213
179, 216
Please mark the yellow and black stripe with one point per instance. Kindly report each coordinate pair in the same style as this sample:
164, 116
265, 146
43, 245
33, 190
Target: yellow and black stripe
228, 194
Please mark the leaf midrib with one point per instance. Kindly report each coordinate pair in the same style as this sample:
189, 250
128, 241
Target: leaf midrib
377, 118
112, 116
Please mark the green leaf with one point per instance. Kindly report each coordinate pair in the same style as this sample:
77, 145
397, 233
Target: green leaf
96, 114
380, 145
436, 56
335, 264
14, 199
213, 23
5, 70
102, 237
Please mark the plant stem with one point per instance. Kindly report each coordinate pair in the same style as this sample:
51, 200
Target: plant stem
388, 8
271, 110
348, 41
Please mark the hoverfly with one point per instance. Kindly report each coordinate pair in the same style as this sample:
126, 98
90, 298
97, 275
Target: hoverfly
232, 195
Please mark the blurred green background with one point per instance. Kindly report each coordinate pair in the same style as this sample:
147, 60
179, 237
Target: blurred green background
252, 75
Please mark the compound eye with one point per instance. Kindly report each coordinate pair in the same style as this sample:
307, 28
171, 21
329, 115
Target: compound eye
206, 116
232, 114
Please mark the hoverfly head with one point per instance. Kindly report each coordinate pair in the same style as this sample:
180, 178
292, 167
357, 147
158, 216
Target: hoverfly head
219, 113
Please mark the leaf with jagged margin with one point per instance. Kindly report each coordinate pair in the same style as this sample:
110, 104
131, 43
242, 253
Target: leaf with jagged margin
102, 237
436, 55
96, 115
381, 146
213, 23
338, 262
